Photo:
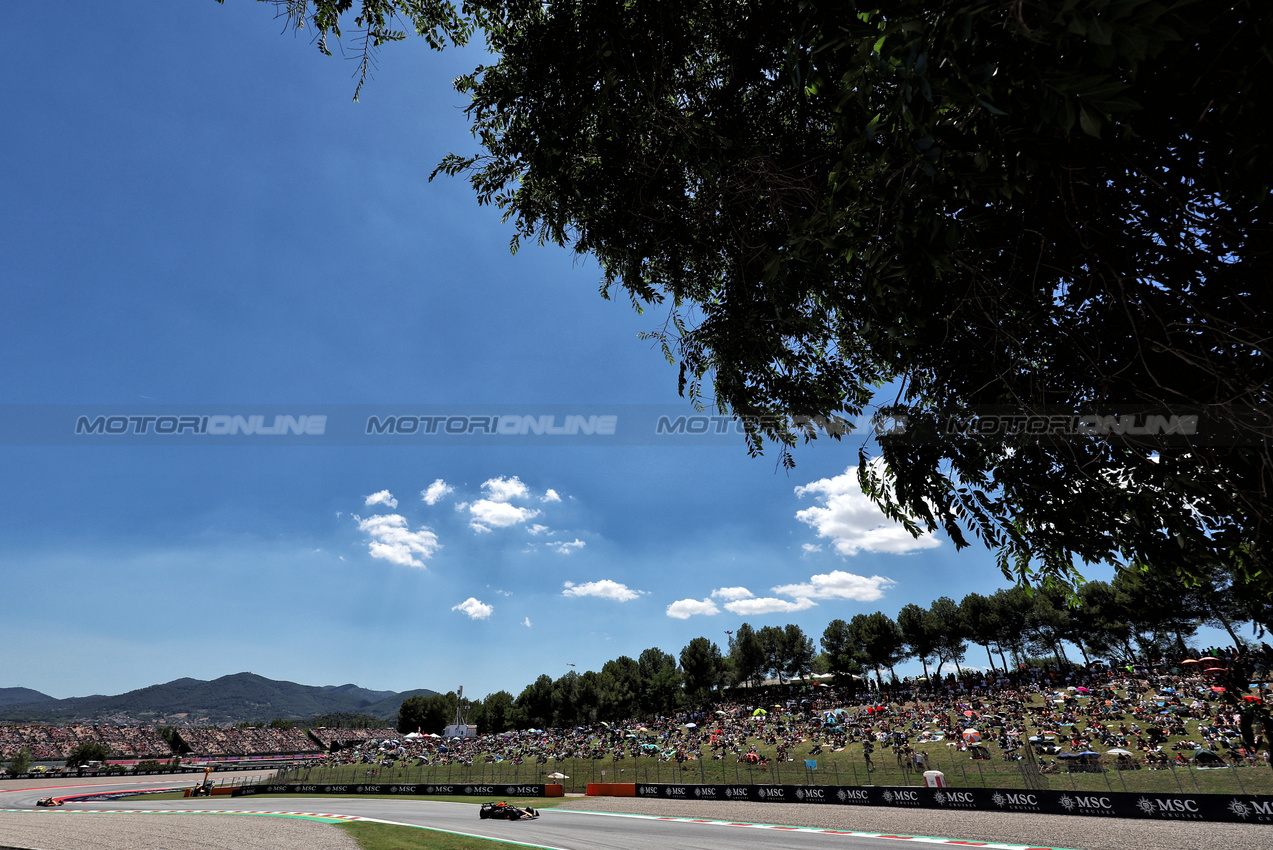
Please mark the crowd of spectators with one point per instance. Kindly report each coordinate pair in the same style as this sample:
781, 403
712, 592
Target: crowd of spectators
351, 737
1060, 717
216, 741
48, 742
1150, 715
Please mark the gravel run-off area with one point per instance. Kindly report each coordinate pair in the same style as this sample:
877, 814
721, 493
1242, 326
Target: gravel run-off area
66, 830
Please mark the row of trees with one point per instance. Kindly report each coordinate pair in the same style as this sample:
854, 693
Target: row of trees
1137, 614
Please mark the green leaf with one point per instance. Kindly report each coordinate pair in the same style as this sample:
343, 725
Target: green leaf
1090, 124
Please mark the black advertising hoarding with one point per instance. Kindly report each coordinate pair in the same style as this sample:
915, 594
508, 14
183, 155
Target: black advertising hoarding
1230, 808
417, 789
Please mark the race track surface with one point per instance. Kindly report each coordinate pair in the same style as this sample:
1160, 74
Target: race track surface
584, 823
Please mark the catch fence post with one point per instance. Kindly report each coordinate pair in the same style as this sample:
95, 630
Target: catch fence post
1236, 776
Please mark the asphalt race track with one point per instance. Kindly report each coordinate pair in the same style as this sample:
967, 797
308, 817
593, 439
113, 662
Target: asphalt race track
695, 826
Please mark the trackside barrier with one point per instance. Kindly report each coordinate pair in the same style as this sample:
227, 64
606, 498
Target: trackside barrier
224, 790
611, 789
427, 790
1225, 808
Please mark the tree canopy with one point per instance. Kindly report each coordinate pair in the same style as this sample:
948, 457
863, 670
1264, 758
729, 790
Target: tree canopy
1060, 206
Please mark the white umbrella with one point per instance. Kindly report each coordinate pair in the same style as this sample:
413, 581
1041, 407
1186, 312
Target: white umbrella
558, 776
1117, 753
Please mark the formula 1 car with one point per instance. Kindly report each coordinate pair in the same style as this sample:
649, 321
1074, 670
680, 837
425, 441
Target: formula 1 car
48, 801
506, 811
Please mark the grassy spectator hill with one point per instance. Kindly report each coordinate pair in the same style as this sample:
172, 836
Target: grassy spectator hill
242, 697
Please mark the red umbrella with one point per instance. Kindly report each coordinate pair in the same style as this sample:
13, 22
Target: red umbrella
1192, 661
971, 713
1215, 670
1208, 658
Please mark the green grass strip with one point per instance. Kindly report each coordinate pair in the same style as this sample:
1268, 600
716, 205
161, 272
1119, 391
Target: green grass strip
475, 842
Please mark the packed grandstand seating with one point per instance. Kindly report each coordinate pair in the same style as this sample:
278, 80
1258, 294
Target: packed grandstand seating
55, 743
348, 737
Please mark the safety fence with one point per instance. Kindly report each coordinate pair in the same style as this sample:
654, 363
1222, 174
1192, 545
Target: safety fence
1229, 808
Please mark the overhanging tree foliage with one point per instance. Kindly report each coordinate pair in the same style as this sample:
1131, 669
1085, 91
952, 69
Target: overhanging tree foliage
88, 751
1060, 205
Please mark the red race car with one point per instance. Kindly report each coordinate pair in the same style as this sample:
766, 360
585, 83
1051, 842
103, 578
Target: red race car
506, 811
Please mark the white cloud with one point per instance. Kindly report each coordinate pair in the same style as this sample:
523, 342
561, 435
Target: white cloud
503, 489
487, 514
683, 609
566, 548
768, 605
810, 548
435, 491
537, 529
732, 593
384, 497
839, 585
605, 588
526, 622
852, 521
495, 511
550, 496
393, 540
476, 610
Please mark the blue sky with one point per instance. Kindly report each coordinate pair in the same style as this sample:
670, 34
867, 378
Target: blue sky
196, 216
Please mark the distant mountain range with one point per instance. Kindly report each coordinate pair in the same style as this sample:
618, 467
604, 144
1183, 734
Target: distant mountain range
240, 698
13, 696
